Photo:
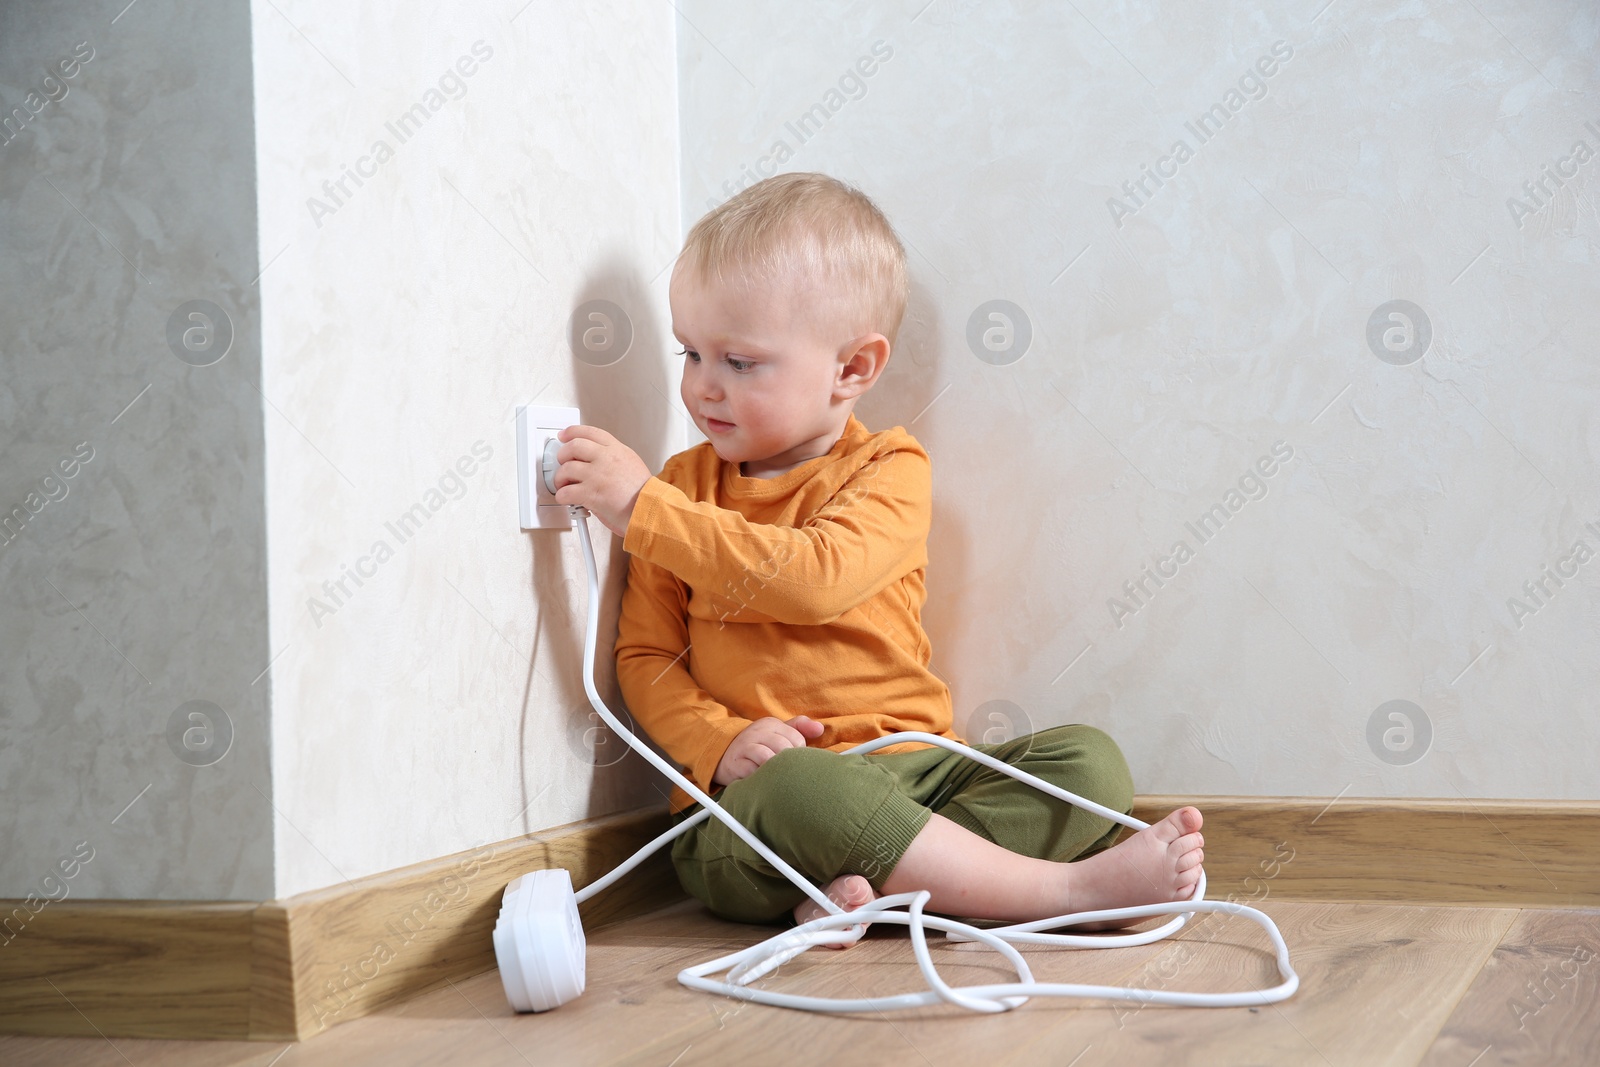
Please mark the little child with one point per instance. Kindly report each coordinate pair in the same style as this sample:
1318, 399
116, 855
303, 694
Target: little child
772, 615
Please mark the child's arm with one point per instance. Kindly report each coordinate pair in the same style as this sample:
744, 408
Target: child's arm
652, 668
871, 533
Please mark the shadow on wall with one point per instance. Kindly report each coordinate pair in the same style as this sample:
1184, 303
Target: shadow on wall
983, 474
612, 339
910, 393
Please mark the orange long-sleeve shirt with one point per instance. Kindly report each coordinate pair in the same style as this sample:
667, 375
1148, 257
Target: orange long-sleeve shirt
795, 595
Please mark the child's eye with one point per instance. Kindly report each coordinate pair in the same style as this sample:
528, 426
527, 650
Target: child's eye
740, 366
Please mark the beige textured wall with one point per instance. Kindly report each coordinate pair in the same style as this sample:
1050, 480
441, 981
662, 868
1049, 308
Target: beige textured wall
1394, 516
306, 534
1182, 333
439, 703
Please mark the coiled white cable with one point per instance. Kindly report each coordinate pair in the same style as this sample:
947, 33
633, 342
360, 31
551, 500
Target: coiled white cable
844, 927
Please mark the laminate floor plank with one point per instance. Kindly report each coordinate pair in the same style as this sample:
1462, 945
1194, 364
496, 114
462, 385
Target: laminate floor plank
1536, 1000
1380, 982
1376, 983
884, 964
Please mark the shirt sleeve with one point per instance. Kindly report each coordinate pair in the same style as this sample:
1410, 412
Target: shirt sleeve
872, 532
652, 670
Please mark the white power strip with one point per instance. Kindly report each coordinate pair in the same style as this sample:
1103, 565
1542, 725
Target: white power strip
539, 942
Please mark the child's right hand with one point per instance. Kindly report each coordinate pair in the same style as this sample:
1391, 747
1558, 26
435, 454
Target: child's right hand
762, 740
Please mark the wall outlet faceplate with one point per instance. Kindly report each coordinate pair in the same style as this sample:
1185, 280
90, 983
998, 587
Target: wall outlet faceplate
535, 427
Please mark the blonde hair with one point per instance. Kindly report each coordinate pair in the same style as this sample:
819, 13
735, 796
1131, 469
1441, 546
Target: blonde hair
807, 227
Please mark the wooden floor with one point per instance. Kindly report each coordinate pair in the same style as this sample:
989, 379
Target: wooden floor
1380, 984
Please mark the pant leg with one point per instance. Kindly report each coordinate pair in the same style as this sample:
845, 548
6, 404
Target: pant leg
828, 813
1018, 817
823, 812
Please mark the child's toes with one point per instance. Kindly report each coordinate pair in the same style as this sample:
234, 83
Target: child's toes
1167, 830
856, 892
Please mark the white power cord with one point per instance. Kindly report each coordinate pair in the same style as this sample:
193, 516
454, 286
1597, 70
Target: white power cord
539, 941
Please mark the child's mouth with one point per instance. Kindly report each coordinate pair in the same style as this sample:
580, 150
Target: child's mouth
720, 427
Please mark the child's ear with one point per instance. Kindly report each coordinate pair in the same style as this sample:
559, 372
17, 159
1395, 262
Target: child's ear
863, 362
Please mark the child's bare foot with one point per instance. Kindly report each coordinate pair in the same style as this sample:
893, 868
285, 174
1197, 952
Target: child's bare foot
849, 891
1157, 865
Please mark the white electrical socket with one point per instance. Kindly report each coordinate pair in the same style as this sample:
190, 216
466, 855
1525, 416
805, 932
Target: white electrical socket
536, 426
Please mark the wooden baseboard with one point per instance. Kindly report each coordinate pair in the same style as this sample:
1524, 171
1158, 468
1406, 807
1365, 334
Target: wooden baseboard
284, 970
1519, 853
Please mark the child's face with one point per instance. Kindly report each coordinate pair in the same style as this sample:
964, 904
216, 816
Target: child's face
758, 373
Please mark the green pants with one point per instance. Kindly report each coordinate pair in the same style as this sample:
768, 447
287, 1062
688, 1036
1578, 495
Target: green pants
827, 814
